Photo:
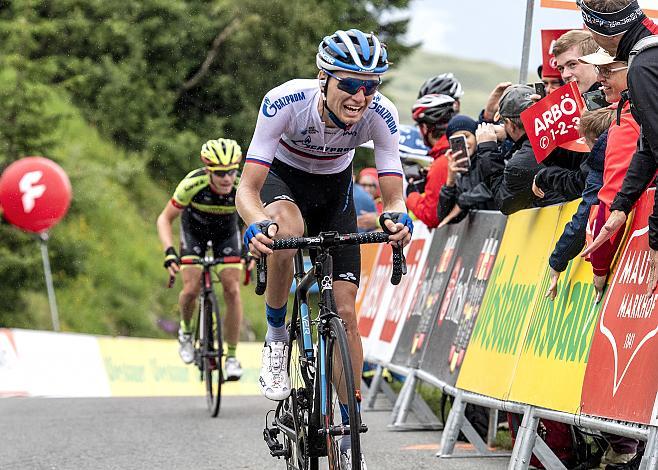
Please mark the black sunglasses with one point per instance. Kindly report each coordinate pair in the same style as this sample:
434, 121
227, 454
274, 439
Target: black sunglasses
223, 173
352, 85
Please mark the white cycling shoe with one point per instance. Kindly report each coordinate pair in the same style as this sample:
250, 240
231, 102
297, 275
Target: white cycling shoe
274, 380
346, 461
185, 347
233, 369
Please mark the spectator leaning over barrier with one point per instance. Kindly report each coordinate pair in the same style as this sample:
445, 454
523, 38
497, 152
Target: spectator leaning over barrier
464, 189
443, 84
567, 49
509, 175
432, 113
587, 181
622, 140
620, 27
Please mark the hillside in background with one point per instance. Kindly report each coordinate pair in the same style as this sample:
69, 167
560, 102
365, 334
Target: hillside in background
477, 78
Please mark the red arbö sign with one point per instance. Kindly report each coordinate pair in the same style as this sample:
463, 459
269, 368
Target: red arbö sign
35, 194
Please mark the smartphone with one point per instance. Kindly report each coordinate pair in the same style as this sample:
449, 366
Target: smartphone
595, 100
457, 143
539, 87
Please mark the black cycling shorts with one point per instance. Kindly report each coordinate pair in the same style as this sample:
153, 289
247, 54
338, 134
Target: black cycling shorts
326, 203
194, 238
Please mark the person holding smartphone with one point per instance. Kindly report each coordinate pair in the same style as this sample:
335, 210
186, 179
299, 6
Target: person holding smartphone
464, 189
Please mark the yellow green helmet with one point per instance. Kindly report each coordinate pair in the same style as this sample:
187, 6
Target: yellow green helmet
221, 154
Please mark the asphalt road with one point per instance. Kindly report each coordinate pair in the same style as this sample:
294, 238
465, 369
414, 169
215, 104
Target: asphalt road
177, 433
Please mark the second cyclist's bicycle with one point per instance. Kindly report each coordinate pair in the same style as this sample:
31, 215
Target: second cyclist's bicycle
208, 346
309, 420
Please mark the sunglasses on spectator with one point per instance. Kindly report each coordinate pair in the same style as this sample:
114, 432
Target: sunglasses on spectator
223, 173
368, 185
606, 72
352, 85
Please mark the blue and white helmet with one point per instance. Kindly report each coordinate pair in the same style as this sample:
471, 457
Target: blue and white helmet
352, 51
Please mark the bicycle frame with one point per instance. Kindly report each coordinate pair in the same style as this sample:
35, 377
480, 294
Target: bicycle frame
208, 347
311, 397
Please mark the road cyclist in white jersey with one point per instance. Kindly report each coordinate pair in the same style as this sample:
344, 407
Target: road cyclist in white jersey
298, 173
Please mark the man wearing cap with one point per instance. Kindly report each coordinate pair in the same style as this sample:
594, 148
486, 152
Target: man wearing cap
510, 175
618, 26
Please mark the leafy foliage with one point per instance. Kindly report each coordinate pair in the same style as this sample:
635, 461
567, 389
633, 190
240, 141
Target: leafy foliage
121, 95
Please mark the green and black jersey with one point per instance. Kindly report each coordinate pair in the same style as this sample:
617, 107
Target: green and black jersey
202, 205
206, 216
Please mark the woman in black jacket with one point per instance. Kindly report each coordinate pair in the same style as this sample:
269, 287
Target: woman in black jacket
464, 189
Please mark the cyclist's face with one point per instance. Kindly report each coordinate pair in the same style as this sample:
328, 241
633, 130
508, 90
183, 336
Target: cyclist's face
348, 108
222, 184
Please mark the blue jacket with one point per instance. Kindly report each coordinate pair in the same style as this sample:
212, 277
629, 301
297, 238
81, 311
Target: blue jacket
572, 240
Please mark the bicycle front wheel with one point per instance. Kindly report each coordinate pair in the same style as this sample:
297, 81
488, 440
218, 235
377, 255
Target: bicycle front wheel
212, 353
339, 367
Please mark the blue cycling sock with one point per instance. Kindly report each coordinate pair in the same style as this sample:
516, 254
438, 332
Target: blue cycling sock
276, 324
344, 413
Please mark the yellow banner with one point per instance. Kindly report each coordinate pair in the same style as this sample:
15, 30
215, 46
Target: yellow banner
151, 367
554, 355
502, 322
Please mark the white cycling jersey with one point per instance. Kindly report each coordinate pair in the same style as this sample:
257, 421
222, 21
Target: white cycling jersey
290, 129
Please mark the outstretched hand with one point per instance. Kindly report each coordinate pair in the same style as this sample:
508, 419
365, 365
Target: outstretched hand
616, 220
551, 292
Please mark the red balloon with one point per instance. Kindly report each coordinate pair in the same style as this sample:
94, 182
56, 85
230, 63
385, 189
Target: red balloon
35, 194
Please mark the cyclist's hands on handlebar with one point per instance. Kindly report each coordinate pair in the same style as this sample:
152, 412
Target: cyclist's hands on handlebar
398, 225
258, 235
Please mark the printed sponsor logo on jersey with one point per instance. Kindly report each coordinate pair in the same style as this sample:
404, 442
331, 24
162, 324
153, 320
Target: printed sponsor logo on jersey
306, 143
346, 132
386, 115
347, 276
283, 197
271, 108
309, 130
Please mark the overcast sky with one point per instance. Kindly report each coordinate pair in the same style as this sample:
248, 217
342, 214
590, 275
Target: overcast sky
484, 29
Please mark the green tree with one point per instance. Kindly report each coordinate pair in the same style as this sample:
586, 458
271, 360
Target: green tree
163, 76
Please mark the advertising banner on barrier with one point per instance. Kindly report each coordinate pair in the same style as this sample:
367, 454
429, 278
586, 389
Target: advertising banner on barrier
61, 364
368, 257
12, 375
459, 307
433, 281
552, 364
502, 322
385, 307
151, 367
621, 380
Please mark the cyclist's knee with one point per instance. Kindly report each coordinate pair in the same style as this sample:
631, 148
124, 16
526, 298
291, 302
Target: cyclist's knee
231, 290
348, 314
190, 292
287, 217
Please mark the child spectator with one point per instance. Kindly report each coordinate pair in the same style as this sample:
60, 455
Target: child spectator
588, 180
